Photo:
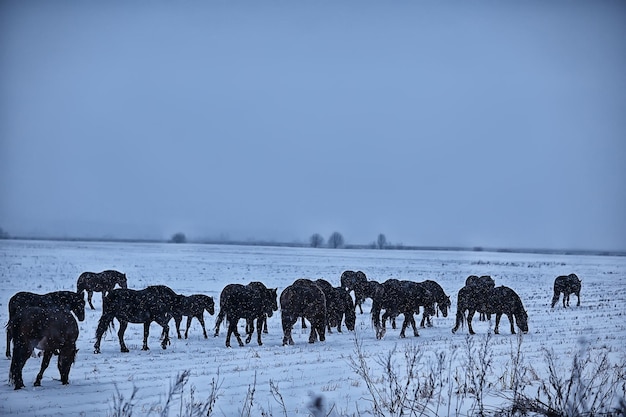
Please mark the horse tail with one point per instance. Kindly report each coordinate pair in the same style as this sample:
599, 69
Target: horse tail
105, 323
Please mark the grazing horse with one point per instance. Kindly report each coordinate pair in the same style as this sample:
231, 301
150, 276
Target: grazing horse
441, 299
566, 284
103, 282
155, 303
67, 300
346, 309
251, 302
400, 297
193, 306
304, 298
483, 283
355, 281
53, 330
499, 300
338, 301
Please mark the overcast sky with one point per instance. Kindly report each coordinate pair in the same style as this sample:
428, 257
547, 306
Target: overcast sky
436, 123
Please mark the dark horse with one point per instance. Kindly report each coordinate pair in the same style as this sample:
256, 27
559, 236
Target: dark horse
304, 298
67, 300
482, 283
566, 284
103, 282
53, 330
441, 299
338, 304
499, 300
155, 303
355, 281
193, 306
400, 297
251, 302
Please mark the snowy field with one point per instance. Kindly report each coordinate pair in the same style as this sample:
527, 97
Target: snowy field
287, 380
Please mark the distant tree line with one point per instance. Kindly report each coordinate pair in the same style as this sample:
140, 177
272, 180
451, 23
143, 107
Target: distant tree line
4, 234
336, 240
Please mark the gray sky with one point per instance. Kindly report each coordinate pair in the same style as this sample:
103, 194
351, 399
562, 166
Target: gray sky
483, 124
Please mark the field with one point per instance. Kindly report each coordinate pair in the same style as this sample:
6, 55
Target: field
351, 373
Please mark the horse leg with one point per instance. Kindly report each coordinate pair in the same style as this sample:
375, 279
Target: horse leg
218, 322
200, 318
578, 295
265, 324
232, 329
460, 316
321, 334
259, 329
415, 333
189, 318
177, 320
287, 323
405, 324
496, 329
47, 355
470, 315
250, 329
20, 356
423, 319
120, 336
303, 323
9, 340
166, 330
510, 316
89, 295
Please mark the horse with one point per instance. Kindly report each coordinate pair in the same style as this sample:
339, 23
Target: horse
193, 306
304, 298
337, 306
51, 329
355, 281
482, 283
251, 302
68, 300
566, 284
441, 299
346, 310
155, 303
400, 297
499, 300
103, 282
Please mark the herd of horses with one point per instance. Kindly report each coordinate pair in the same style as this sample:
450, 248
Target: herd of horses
48, 322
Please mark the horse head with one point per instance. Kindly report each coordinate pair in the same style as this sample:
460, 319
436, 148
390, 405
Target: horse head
444, 305
522, 321
121, 281
271, 302
209, 305
78, 306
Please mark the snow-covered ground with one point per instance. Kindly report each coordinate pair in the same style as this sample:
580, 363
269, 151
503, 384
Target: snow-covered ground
302, 372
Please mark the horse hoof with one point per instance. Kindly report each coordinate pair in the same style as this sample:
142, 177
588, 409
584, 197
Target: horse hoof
37, 384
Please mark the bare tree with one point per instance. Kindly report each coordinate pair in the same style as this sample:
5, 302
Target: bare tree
179, 238
316, 240
335, 240
381, 241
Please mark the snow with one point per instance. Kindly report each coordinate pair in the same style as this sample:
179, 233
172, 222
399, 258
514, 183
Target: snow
303, 372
